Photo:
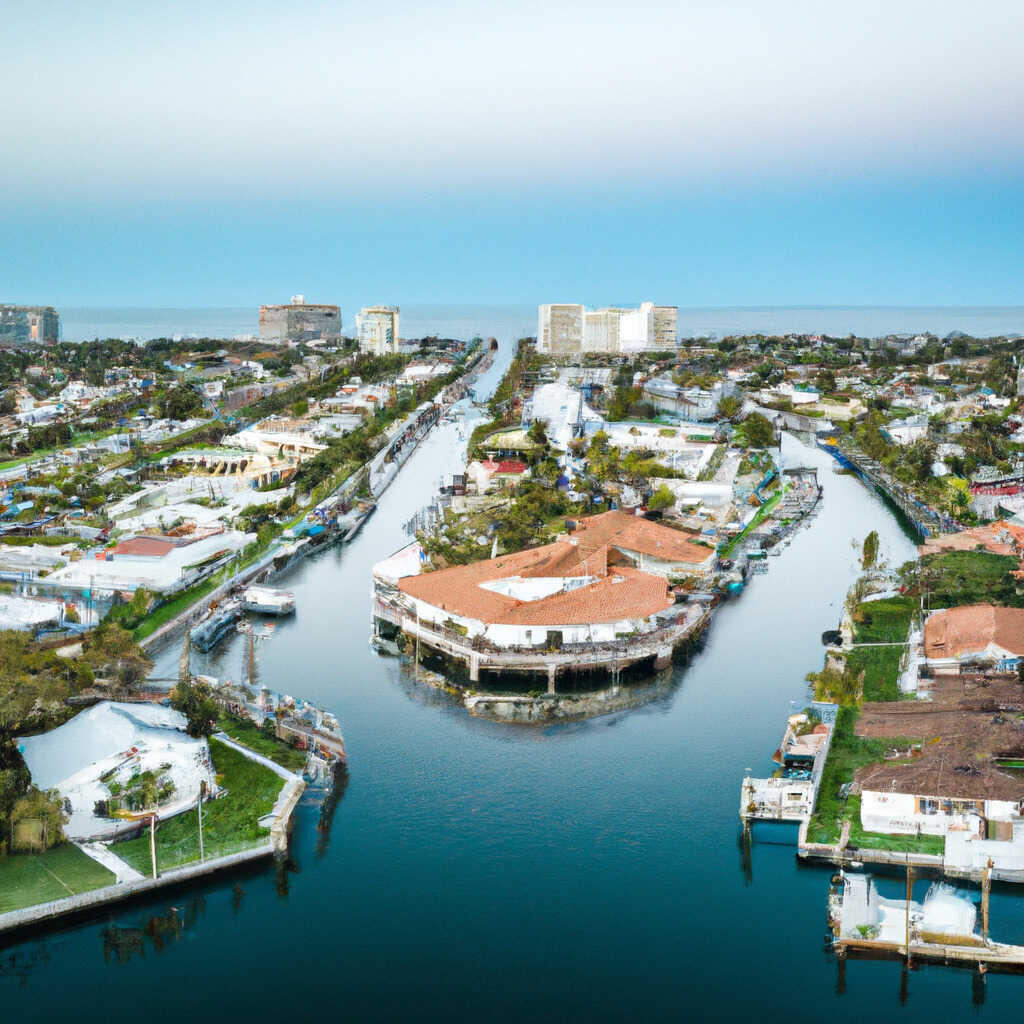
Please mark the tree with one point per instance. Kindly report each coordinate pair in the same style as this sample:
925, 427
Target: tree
825, 381
869, 552
661, 499
537, 434
195, 701
179, 403
728, 407
758, 431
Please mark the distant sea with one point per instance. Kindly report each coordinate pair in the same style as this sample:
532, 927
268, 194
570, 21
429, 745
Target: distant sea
509, 322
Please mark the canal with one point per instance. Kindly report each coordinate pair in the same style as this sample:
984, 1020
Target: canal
475, 870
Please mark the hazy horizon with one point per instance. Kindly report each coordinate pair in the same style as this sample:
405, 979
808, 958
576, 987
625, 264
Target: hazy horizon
704, 154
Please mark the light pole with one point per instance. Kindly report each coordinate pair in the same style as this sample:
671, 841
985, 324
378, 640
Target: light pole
202, 797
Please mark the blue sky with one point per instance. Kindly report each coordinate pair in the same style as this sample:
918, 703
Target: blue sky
699, 153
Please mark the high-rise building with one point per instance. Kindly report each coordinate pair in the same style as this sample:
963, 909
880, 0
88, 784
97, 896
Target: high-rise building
377, 329
23, 325
299, 321
569, 329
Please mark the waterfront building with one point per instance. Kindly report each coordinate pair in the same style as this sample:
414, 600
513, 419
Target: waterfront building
571, 329
23, 325
299, 321
978, 634
560, 605
377, 329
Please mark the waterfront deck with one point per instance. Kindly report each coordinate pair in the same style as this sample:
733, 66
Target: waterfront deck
865, 926
614, 657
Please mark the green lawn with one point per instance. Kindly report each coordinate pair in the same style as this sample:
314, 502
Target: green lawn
861, 840
881, 668
29, 878
885, 621
846, 755
269, 746
152, 622
230, 823
970, 577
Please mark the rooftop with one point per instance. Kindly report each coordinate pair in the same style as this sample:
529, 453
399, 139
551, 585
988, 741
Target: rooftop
581, 578
957, 632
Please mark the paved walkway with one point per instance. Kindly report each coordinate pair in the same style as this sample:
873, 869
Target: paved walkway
123, 871
258, 758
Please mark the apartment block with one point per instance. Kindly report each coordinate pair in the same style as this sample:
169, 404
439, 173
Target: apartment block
570, 329
299, 321
377, 329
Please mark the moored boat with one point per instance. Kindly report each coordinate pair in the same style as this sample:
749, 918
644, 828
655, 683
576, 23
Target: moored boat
213, 629
268, 601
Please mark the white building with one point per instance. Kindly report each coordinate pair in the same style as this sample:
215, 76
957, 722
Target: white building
377, 329
299, 321
570, 329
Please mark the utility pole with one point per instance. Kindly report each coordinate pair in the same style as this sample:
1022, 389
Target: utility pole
202, 797
152, 841
986, 886
910, 893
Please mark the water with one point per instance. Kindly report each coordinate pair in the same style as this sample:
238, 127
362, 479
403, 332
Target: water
80, 324
585, 872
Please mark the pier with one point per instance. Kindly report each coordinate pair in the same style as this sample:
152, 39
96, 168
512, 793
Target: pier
658, 646
865, 925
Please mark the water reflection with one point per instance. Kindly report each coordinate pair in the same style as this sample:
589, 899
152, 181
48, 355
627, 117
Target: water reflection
22, 963
328, 806
121, 944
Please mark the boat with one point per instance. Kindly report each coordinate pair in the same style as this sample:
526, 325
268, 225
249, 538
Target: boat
365, 511
268, 601
212, 630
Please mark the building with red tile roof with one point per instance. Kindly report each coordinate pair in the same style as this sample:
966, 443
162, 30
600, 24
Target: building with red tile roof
974, 633
606, 578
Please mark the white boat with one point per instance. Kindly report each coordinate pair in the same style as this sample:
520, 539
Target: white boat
268, 601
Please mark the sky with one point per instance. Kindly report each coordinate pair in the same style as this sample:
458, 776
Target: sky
700, 152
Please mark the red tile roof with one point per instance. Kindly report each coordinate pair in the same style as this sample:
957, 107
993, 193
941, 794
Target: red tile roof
959, 631
593, 550
151, 547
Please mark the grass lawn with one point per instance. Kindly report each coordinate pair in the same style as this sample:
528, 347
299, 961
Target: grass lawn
861, 840
885, 621
230, 824
30, 878
881, 668
970, 577
152, 622
847, 754
269, 746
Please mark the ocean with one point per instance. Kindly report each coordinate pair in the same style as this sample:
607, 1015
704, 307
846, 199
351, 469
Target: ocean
464, 321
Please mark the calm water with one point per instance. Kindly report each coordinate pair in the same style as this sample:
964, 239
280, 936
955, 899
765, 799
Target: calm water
482, 871
518, 321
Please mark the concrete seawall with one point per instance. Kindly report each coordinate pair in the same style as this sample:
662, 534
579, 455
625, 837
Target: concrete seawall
42, 912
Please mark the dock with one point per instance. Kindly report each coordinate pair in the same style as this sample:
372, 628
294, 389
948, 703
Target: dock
656, 646
865, 925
